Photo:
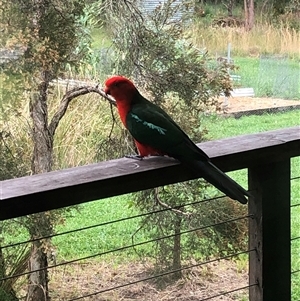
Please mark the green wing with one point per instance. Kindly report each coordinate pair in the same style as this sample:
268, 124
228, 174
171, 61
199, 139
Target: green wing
150, 125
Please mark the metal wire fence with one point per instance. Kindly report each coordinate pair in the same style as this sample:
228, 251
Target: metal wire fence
126, 268
146, 274
295, 244
80, 279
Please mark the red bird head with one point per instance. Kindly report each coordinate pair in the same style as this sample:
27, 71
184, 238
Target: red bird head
124, 92
120, 88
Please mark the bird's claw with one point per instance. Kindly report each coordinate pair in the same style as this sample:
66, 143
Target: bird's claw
135, 157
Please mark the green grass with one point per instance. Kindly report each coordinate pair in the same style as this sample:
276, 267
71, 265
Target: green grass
276, 78
282, 82
261, 75
270, 76
102, 238
227, 127
101, 38
113, 236
114, 208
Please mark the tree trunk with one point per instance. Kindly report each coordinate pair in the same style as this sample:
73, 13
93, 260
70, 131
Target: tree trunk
229, 7
40, 224
177, 248
42, 158
249, 14
38, 281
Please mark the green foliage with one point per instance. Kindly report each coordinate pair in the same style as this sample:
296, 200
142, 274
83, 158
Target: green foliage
47, 34
291, 16
270, 35
153, 49
13, 261
175, 85
14, 162
191, 213
4, 296
14, 132
182, 78
50, 37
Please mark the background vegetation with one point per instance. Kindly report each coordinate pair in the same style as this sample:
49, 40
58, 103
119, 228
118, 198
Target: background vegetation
267, 58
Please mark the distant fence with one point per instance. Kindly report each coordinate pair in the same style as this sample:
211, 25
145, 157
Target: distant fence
283, 81
267, 157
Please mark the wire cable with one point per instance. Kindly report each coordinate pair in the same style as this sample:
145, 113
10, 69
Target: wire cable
107, 223
226, 293
123, 248
160, 275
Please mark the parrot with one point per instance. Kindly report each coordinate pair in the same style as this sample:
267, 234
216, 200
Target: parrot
155, 133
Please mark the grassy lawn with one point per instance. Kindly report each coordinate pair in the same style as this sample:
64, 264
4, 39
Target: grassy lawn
107, 236
282, 82
220, 128
271, 71
119, 234
113, 236
227, 127
100, 239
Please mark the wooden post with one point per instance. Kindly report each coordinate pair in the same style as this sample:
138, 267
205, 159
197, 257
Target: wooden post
270, 232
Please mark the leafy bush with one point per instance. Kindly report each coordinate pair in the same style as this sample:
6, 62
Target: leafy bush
186, 81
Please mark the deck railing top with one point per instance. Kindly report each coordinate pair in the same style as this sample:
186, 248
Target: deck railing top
57, 189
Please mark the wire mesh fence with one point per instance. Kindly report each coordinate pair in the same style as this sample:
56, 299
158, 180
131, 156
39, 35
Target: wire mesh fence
259, 91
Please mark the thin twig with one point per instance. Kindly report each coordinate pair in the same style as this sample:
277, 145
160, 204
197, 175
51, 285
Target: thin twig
70, 95
135, 232
114, 121
158, 200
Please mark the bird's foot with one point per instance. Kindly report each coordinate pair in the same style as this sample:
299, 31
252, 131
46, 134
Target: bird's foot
135, 157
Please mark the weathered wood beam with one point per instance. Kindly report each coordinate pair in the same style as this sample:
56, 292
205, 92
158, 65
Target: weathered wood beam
270, 231
72, 186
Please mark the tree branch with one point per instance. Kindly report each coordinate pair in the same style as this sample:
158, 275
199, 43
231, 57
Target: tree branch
160, 202
70, 95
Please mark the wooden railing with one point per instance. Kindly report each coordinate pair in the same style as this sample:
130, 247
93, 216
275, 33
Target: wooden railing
267, 157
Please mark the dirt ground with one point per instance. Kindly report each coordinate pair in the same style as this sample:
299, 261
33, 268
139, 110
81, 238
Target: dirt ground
198, 283
246, 104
